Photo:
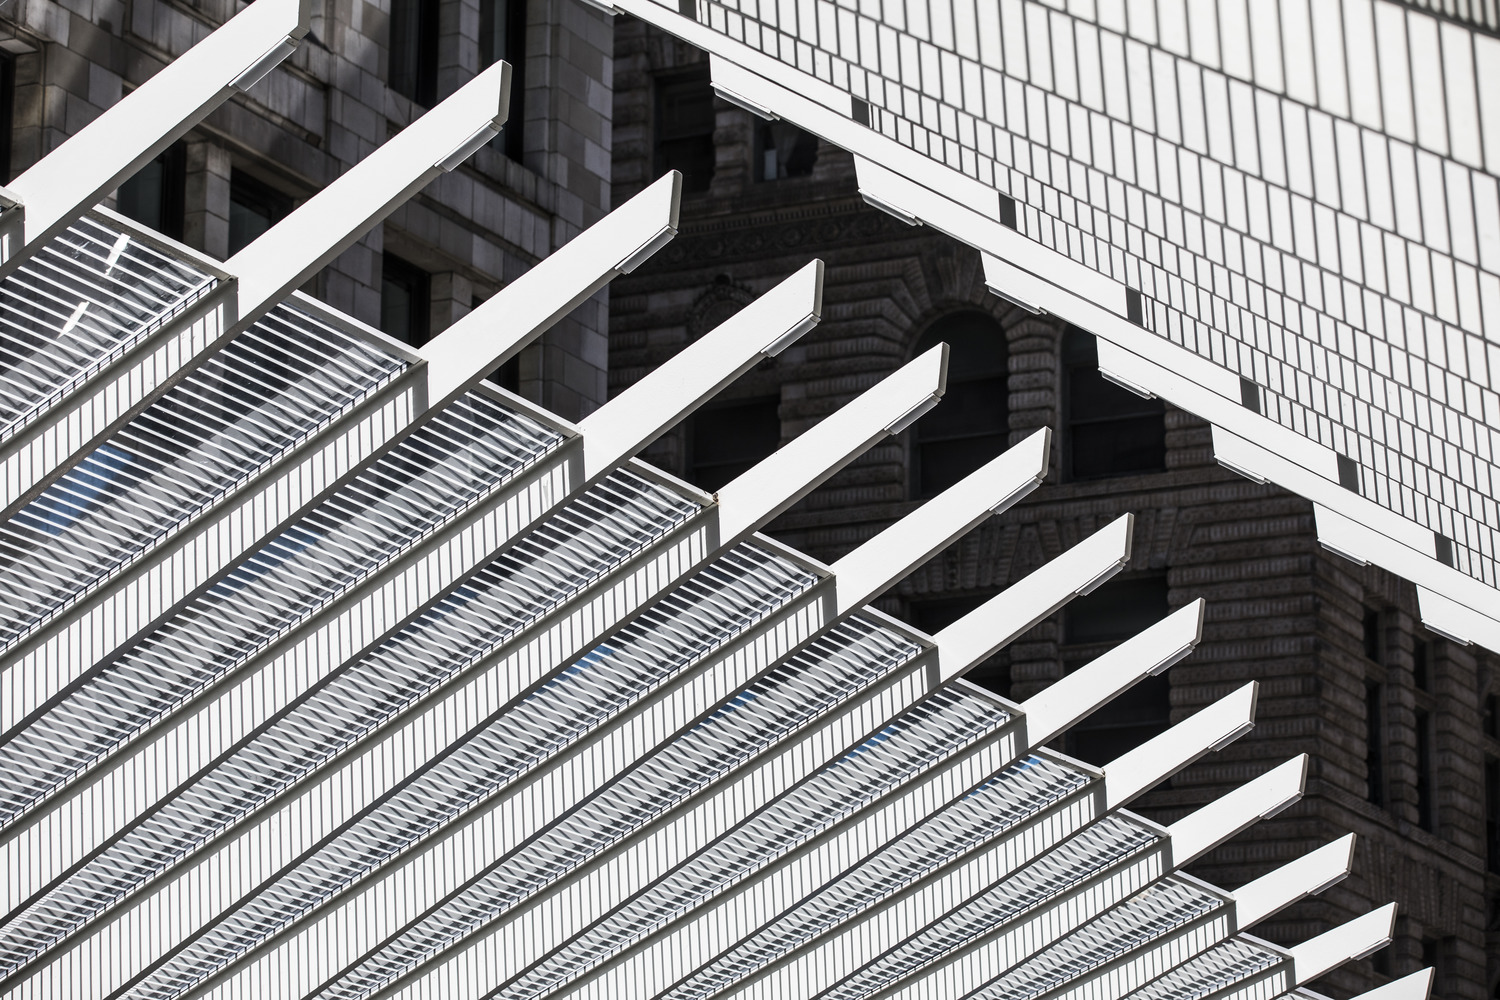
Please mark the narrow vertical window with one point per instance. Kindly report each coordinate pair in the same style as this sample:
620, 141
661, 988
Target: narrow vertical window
1492, 813
971, 425
155, 195
405, 295
1426, 808
1108, 430
7, 112
1374, 743
1094, 623
502, 36
414, 50
254, 207
683, 132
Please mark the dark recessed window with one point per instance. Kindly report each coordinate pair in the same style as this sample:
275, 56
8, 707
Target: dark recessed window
414, 50
1491, 716
254, 207
1421, 669
726, 439
154, 195
783, 150
1113, 613
1374, 743
405, 293
1492, 813
934, 614
1108, 430
971, 425
7, 112
684, 128
1372, 635
502, 36
1426, 809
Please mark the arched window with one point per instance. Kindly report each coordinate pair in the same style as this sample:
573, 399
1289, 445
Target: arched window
1107, 430
971, 425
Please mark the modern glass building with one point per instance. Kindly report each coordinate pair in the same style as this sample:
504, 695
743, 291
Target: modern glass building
334, 669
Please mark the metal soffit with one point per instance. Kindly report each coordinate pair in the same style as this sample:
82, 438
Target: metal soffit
332, 671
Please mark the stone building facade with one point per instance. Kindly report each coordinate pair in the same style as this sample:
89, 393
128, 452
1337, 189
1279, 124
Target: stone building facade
1400, 723
365, 71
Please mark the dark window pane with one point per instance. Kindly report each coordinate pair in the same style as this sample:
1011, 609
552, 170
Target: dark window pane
404, 297
253, 208
7, 112
932, 615
1132, 718
1426, 814
971, 424
1492, 813
1115, 611
502, 35
725, 440
684, 129
1372, 635
413, 50
1109, 430
154, 195
783, 150
1374, 743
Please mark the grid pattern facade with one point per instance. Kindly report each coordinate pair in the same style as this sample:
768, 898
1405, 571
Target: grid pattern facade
1323, 227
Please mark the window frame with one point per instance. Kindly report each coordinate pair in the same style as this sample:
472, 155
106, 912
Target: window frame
1067, 422
661, 84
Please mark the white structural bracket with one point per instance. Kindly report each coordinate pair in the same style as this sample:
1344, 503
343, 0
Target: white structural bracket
335, 218
1348, 942
1307, 876
911, 541
1087, 689
783, 478
622, 427
490, 335
119, 142
1417, 986
1162, 756
1017, 608
1260, 798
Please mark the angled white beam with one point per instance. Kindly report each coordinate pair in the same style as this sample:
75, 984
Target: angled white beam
1260, 798
267, 271
512, 318
914, 539
1126, 664
1348, 942
1417, 986
490, 335
705, 366
1307, 876
1164, 755
112, 147
833, 441
1078, 695
471, 542
1077, 571
331, 221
